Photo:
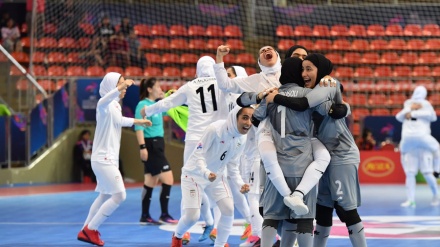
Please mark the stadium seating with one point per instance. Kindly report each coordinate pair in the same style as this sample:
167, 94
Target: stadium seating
196, 31
189, 72
370, 58
47, 85
339, 30
56, 57
416, 44
152, 72
321, 31
214, 31
189, 58
75, 71
360, 45
357, 30
375, 30
394, 30
197, 44
56, 70
336, 58
285, 31
171, 71
114, 69
412, 30
133, 71
378, 44
170, 58
302, 30
341, 44
352, 58
235, 44
431, 30
39, 70
95, 71
245, 58
409, 58
159, 30
21, 57
178, 31
285, 44
322, 44
397, 44
232, 31
66, 43
402, 71
178, 44
142, 30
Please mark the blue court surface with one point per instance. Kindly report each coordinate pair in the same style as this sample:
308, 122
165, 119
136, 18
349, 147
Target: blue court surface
54, 219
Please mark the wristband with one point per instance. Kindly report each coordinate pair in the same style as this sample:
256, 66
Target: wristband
142, 146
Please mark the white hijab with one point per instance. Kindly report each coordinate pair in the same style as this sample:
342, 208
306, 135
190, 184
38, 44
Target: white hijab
109, 83
271, 70
240, 72
231, 122
205, 67
419, 94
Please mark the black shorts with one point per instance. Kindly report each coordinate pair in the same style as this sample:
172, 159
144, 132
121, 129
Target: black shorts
157, 162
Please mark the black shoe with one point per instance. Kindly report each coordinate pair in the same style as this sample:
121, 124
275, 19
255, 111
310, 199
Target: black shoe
148, 221
277, 243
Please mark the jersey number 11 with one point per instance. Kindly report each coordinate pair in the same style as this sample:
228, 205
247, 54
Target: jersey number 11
202, 97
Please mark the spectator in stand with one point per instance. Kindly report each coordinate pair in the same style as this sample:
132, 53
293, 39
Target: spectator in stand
82, 154
137, 57
367, 141
119, 52
98, 52
38, 23
11, 36
4, 20
125, 26
105, 28
69, 19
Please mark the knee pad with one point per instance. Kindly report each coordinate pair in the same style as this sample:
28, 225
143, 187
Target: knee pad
272, 223
304, 226
350, 217
324, 215
292, 221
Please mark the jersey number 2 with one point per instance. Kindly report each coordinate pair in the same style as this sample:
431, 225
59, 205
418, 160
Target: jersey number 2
202, 97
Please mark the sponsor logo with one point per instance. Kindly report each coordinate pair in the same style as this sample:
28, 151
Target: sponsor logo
378, 166
199, 146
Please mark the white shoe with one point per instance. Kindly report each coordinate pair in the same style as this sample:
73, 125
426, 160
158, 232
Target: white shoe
296, 204
435, 201
408, 204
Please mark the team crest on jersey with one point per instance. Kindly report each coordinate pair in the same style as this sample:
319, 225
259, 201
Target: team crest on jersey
199, 146
192, 193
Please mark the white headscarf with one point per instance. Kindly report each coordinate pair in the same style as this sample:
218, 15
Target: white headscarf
231, 122
240, 71
109, 83
205, 67
271, 70
419, 94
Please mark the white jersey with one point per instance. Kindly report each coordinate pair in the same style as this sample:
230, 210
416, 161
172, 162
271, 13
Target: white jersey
206, 104
109, 123
253, 83
420, 122
219, 147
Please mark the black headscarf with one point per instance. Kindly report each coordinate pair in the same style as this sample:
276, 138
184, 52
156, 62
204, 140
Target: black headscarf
324, 65
291, 71
292, 49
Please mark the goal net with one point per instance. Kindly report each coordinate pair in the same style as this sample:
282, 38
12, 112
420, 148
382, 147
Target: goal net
381, 49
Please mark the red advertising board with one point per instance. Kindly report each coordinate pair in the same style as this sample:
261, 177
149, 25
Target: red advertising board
381, 167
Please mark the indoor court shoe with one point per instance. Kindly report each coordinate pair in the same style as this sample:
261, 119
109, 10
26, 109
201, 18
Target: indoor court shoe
206, 233
296, 204
176, 242
252, 241
148, 221
93, 236
408, 204
213, 234
167, 219
186, 238
82, 237
247, 231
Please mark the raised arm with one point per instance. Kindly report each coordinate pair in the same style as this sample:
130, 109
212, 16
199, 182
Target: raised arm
176, 99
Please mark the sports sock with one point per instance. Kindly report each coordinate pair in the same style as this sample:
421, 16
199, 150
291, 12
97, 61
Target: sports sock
322, 234
107, 208
289, 234
356, 234
146, 200
164, 198
95, 207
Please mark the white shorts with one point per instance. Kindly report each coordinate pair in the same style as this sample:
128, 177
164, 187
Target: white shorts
264, 132
108, 177
418, 159
192, 191
253, 178
188, 149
